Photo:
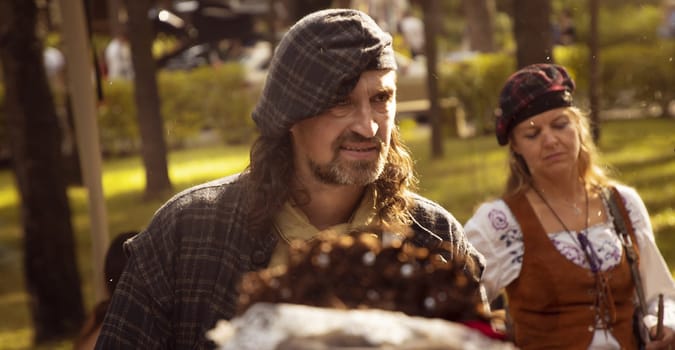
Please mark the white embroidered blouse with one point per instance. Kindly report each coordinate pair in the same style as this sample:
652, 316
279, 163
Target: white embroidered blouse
494, 232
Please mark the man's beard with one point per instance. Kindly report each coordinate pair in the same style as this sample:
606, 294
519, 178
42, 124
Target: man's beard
356, 172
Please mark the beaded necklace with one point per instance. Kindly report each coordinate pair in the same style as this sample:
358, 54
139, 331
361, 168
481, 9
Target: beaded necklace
605, 312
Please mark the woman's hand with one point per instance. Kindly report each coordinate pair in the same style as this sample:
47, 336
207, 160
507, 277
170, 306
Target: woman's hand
666, 342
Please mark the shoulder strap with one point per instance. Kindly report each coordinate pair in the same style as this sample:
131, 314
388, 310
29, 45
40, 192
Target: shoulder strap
625, 230
527, 219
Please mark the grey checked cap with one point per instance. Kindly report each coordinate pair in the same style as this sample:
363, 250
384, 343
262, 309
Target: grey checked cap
317, 63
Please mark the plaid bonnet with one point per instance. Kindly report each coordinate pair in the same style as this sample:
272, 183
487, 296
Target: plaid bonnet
316, 64
532, 90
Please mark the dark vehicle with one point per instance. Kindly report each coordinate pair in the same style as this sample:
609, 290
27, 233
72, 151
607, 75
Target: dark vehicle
189, 57
209, 29
202, 27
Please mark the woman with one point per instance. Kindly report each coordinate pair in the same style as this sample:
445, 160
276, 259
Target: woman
551, 242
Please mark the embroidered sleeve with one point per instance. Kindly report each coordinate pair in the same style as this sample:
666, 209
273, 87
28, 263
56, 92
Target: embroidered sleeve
494, 232
656, 277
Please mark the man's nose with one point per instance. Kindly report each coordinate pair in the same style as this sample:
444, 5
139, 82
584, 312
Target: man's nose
364, 122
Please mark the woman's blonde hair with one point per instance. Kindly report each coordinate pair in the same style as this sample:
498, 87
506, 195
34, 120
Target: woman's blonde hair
593, 174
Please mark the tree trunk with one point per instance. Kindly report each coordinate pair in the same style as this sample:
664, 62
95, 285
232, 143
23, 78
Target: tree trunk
273, 23
150, 122
532, 30
431, 23
114, 23
52, 278
480, 18
342, 3
301, 8
594, 97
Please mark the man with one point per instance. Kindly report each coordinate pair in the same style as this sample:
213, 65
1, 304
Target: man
412, 29
328, 158
118, 58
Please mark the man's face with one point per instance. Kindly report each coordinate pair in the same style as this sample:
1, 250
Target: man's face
348, 144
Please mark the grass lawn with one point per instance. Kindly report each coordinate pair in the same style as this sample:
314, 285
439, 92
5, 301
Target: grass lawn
641, 152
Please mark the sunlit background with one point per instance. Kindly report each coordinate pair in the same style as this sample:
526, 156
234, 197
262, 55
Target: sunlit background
146, 98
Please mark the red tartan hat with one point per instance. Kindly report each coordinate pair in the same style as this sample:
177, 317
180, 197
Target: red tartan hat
532, 90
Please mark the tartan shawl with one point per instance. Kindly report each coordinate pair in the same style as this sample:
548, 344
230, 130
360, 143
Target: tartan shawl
183, 270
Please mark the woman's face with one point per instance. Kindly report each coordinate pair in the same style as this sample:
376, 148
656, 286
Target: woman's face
549, 142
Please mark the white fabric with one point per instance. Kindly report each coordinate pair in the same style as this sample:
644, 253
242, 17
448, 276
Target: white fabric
268, 326
118, 60
54, 61
412, 29
494, 232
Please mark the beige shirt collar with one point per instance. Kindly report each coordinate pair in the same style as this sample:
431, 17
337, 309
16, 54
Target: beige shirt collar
291, 224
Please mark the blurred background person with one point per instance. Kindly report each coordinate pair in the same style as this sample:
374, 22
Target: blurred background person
55, 65
565, 32
667, 27
115, 260
412, 30
118, 58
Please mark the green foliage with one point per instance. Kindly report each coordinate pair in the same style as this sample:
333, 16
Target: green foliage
52, 39
576, 59
647, 73
454, 26
226, 103
621, 24
630, 24
630, 73
476, 83
163, 44
181, 104
191, 101
504, 39
118, 126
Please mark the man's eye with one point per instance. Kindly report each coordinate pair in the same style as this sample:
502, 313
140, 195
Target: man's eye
382, 97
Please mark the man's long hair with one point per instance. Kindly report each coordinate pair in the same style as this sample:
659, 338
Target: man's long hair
593, 175
270, 182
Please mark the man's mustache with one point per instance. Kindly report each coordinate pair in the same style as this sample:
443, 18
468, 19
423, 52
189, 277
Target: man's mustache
355, 137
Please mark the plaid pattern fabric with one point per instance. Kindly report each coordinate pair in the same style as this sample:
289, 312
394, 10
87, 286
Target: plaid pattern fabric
318, 62
532, 90
183, 270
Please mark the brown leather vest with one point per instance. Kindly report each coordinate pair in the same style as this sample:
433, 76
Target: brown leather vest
551, 301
